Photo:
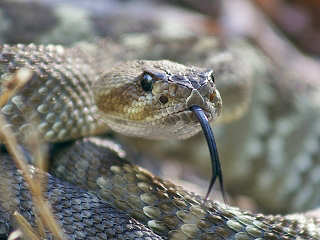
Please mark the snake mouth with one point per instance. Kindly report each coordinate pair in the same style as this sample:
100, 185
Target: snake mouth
193, 118
185, 117
210, 114
181, 112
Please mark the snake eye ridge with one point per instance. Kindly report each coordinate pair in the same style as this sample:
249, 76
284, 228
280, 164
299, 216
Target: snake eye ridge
146, 82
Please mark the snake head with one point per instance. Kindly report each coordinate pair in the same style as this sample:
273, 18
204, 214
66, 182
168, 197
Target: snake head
152, 99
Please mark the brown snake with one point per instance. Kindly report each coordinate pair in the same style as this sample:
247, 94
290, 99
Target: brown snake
64, 107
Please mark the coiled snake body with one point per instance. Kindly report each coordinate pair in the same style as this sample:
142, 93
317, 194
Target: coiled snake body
68, 99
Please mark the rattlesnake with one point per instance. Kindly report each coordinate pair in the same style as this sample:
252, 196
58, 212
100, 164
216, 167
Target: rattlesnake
232, 226
65, 79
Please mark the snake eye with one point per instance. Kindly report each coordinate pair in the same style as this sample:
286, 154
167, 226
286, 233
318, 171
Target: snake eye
163, 99
146, 82
212, 77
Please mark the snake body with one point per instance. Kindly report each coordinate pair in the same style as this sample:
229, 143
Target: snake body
60, 97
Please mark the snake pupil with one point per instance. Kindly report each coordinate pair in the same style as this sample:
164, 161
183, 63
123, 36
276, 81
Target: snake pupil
146, 82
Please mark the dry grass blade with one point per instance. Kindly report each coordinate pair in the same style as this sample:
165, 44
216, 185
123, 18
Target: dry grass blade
25, 226
17, 80
17, 234
43, 209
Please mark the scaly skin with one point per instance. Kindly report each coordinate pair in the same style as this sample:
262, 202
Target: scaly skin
167, 209
164, 207
94, 219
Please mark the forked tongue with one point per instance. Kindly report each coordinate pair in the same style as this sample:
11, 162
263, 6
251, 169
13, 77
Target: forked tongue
215, 162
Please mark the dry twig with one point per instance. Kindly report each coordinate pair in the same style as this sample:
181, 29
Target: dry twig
33, 178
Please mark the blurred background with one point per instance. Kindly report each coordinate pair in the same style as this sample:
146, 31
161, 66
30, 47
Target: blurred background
269, 146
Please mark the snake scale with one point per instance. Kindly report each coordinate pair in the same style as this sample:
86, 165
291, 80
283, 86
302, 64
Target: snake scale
217, 222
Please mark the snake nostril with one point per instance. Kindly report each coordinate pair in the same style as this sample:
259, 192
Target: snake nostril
163, 99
